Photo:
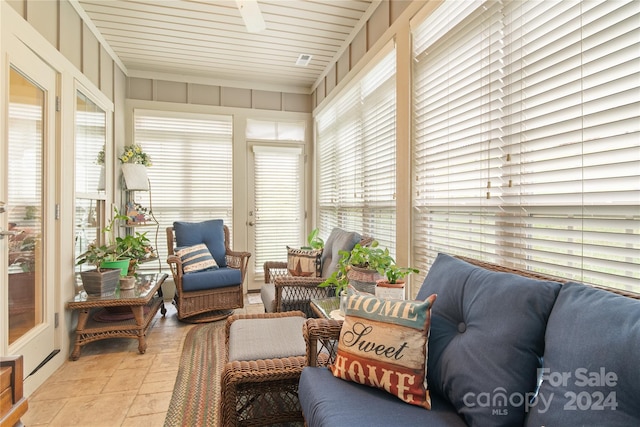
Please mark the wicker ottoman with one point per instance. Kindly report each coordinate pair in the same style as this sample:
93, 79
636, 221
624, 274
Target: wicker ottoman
265, 356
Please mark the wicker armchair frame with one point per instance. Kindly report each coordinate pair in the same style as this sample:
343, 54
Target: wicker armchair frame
211, 304
299, 291
260, 392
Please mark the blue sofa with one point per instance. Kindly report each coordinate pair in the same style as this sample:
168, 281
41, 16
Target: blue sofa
507, 348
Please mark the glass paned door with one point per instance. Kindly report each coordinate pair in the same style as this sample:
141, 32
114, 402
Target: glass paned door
277, 218
26, 111
27, 225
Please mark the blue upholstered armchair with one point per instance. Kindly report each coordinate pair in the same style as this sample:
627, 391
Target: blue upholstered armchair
208, 275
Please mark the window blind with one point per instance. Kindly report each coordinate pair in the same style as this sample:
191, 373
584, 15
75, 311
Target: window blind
278, 203
526, 147
356, 142
191, 173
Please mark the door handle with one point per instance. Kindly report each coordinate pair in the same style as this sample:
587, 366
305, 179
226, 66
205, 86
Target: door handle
251, 223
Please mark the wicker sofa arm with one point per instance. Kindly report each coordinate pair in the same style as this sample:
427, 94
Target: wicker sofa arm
321, 337
175, 264
274, 269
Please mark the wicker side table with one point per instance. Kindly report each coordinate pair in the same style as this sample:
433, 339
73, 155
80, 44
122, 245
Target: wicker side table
143, 302
265, 355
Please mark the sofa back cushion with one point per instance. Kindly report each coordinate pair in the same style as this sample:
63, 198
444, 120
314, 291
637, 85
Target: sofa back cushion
590, 372
487, 339
210, 232
339, 240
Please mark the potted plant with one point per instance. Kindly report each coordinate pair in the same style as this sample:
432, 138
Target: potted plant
121, 253
392, 285
339, 279
135, 247
367, 262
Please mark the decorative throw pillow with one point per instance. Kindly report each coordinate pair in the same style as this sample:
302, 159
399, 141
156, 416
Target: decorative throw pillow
303, 262
383, 344
196, 258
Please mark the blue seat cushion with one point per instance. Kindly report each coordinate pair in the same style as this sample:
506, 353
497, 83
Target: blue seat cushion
210, 232
211, 279
487, 339
328, 401
592, 349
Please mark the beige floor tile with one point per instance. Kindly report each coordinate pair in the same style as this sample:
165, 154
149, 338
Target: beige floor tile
136, 361
152, 420
75, 388
125, 380
158, 384
106, 410
165, 362
153, 403
42, 412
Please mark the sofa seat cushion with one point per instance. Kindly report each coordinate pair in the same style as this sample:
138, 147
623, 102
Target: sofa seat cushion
487, 339
211, 279
328, 402
210, 232
592, 348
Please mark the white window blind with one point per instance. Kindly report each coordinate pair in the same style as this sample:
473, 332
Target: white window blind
191, 173
278, 202
527, 137
356, 137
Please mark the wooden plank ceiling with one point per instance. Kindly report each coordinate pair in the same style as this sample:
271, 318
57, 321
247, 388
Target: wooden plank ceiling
208, 38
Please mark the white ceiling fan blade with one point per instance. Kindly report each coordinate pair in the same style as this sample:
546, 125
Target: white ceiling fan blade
251, 15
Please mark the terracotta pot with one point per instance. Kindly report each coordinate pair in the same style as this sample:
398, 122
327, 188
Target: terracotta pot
127, 282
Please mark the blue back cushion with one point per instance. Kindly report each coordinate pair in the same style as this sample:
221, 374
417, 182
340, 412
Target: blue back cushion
592, 350
210, 232
487, 339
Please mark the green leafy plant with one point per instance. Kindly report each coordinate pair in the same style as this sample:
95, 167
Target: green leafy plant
393, 273
338, 278
134, 247
314, 241
371, 257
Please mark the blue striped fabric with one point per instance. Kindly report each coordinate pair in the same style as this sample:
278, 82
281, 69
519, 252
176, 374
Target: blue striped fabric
196, 258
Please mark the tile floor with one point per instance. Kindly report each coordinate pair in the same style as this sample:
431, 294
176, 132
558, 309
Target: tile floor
112, 385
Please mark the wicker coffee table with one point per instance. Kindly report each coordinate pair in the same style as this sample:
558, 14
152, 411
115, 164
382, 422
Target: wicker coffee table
326, 308
142, 303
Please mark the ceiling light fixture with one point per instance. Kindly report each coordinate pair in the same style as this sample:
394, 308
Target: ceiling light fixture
250, 12
304, 59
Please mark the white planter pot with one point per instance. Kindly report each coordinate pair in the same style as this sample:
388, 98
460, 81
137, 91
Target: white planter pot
101, 186
135, 176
